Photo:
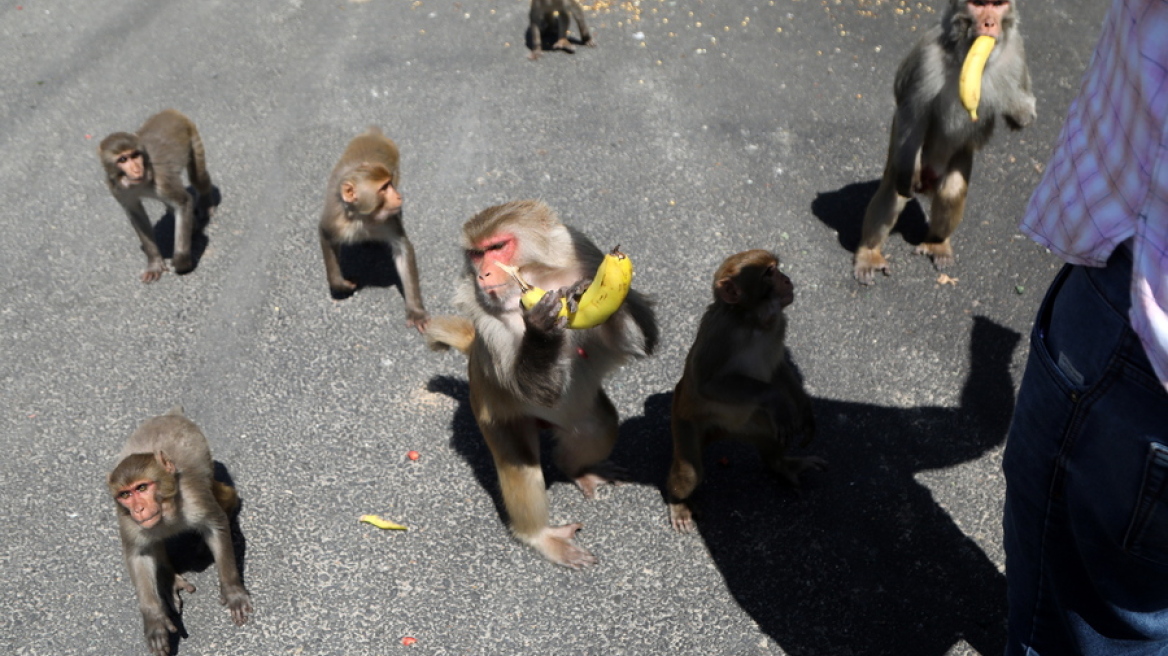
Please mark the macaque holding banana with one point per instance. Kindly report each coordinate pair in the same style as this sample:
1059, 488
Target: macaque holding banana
528, 371
937, 128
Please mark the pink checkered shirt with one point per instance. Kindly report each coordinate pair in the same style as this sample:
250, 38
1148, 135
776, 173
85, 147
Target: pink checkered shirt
1107, 180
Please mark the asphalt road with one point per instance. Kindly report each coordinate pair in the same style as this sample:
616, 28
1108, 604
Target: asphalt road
694, 130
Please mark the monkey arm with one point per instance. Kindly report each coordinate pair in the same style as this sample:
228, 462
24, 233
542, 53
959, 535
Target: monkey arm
540, 373
908, 137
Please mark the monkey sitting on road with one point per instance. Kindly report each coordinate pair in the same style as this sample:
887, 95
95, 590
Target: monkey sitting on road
738, 381
528, 371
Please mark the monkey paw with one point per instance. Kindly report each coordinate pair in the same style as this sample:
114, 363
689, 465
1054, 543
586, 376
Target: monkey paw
183, 263
153, 272
239, 603
681, 517
558, 545
940, 253
868, 262
604, 473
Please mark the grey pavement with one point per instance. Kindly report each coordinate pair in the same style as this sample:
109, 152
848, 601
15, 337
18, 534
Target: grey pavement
694, 130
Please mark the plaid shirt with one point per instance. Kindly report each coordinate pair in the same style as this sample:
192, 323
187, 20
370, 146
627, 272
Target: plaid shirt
1107, 180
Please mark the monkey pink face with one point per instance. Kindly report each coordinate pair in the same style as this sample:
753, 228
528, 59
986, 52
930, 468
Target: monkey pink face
133, 167
486, 256
141, 499
987, 16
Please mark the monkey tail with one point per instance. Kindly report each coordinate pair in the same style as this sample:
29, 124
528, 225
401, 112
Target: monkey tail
226, 497
449, 331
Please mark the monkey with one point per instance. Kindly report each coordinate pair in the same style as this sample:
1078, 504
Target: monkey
738, 381
149, 164
527, 371
362, 203
933, 138
163, 485
550, 18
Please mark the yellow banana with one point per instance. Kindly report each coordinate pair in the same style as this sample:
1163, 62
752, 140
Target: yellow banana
969, 84
382, 523
600, 301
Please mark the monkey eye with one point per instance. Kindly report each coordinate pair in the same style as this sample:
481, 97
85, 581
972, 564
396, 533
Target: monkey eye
129, 156
142, 487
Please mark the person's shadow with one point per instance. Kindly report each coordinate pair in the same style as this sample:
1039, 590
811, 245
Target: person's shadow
862, 560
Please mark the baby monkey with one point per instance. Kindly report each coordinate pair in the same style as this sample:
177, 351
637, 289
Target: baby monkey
738, 381
150, 164
163, 485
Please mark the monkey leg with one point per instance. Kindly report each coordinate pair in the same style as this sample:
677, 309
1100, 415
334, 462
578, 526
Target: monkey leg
180, 585
947, 209
140, 221
771, 441
332, 268
515, 448
685, 472
879, 218
583, 447
176, 196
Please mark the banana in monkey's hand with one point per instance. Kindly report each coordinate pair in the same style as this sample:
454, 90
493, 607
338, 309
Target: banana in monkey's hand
600, 301
382, 523
969, 84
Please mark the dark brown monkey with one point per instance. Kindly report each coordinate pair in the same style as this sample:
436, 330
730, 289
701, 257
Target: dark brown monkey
362, 203
738, 381
527, 371
163, 486
933, 138
551, 19
149, 164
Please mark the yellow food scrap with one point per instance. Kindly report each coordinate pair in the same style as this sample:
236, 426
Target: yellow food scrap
382, 523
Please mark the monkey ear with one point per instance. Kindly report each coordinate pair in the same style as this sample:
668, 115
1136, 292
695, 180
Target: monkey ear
727, 291
164, 462
348, 192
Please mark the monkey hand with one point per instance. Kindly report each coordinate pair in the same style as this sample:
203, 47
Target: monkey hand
157, 629
1022, 116
154, 271
574, 293
417, 319
544, 317
238, 601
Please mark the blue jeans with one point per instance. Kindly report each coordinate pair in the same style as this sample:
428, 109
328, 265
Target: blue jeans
1086, 465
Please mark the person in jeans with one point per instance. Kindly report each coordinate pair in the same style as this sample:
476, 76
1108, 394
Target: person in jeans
1086, 460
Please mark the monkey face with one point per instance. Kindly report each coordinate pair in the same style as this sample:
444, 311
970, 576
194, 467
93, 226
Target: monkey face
493, 282
985, 17
140, 499
132, 165
369, 191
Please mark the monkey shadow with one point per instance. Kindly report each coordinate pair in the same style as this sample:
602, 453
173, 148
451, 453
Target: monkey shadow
165, 228
862, 560
368, 264
188, 552
843, 211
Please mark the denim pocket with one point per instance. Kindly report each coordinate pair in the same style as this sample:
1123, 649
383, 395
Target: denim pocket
1147, 534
